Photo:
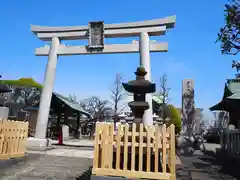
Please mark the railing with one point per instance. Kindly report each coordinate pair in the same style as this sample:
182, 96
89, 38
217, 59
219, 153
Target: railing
146, 152
13, 137
230, 141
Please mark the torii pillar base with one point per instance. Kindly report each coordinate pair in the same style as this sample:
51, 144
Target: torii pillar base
37, 144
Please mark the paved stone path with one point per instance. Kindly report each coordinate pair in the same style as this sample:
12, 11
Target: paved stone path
44, 167
69, 163
206, 167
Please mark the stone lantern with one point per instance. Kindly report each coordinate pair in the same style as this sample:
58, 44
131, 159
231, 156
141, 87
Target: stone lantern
139, 87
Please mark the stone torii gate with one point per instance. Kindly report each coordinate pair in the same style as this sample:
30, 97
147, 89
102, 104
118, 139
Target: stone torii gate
95, 32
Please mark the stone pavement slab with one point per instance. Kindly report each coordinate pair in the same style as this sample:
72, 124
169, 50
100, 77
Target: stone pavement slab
202, 167
72, 152
66, 152
77, 142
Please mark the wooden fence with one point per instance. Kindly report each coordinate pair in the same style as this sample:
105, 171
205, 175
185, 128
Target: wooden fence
146, 152
230, 141
13, 137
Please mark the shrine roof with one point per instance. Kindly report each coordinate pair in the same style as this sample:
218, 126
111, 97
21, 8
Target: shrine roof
218, 107
234, 88
65, 101
72, 105
231, 92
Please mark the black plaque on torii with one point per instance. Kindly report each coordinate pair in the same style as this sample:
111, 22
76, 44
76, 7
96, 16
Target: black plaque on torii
96, 35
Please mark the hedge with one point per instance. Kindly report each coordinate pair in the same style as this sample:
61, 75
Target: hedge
22, 82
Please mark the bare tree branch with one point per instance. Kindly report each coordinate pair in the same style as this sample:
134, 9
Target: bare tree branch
99, 109
163, 93
117, 96
164, 89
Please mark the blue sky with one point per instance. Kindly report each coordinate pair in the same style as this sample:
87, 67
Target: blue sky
192, 49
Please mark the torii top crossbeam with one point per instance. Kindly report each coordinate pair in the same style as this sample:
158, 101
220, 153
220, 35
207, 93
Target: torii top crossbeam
152, 27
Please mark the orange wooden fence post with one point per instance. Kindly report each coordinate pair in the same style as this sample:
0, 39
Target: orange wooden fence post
13, 138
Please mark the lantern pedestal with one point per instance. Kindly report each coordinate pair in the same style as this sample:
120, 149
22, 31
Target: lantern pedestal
4, 113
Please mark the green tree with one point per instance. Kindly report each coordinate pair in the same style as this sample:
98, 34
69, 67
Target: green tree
175, 118
229, 35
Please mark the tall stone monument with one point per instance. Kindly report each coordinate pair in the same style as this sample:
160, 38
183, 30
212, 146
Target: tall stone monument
188, 108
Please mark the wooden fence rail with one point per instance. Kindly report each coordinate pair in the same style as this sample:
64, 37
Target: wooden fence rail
13, 137
146, 152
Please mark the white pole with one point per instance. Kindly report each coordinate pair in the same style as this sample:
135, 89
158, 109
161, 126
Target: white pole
145, 62
46, 95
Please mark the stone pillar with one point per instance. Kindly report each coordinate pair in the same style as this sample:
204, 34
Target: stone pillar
65, 132
46, 94
188, 107
145, 62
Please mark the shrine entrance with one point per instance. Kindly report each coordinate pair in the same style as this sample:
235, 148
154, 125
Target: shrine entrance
96, 32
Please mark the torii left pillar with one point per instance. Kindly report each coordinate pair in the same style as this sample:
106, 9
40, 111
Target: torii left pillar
40, 142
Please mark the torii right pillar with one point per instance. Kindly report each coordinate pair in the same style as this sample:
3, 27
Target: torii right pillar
145, 62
